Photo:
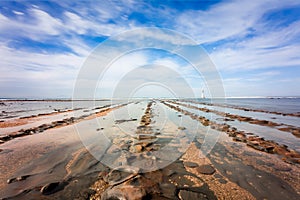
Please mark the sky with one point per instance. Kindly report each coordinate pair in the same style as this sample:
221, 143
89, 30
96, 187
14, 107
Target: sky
253, 47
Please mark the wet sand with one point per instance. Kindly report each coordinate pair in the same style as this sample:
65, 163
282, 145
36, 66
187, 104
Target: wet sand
143, 160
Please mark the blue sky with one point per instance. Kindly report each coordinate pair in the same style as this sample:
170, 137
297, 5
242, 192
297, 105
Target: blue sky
255, 45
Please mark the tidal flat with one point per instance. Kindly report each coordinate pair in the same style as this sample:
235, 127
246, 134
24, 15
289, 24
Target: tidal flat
150, 149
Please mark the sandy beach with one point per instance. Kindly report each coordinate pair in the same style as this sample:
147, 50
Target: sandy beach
151, 149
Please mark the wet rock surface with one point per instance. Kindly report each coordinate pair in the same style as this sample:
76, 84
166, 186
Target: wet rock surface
160, 184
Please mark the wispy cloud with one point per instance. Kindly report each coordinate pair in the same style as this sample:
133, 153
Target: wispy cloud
250, 42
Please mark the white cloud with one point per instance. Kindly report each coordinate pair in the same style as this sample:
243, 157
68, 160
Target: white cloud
269, 47
49, 73
226, 19
247, 58
221, 21
17, 12
84, 25
41, 25
226, 23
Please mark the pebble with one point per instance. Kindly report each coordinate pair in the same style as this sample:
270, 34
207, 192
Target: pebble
190, 164
206, 169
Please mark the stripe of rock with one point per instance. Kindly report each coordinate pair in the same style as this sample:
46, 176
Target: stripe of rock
253, 141
144, 132
245, 109
288, 128
56, 124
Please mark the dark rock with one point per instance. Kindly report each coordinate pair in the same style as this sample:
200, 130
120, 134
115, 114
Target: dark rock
190, 164
145, 136
187, 195
181, 128
119, 121
50, 188
218, 176
222, 181
206, 169
168, 190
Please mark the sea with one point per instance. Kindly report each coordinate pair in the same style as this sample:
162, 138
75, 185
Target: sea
283, 111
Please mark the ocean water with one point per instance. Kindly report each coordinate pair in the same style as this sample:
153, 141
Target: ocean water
14, 109
10, 109
283, 105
